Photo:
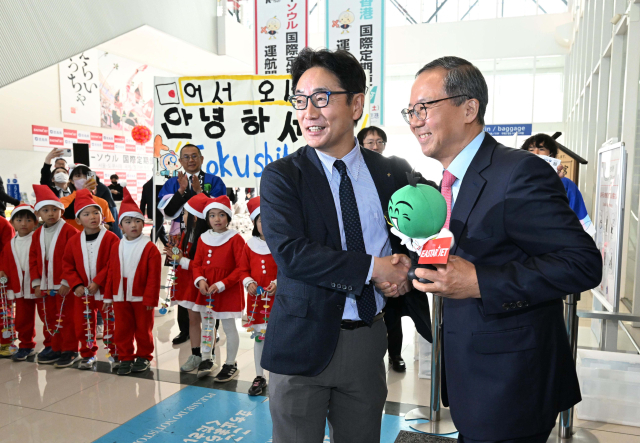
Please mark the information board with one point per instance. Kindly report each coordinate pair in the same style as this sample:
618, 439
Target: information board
610, 186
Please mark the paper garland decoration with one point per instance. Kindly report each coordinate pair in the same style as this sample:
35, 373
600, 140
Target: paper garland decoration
7, 312
109, 319
172, 280
87, 315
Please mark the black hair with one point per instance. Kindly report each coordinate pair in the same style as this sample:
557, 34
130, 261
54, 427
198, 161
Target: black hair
462, 78
58, 168
114, 176
78, 170
30, 214
198, 226
340, 63
542, 141
255, 231
189, 145
206, 217
368, 130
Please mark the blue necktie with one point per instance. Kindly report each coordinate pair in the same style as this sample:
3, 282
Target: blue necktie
355, 242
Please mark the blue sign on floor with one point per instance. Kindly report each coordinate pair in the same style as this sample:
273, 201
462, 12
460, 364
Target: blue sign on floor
507, 130
194, 415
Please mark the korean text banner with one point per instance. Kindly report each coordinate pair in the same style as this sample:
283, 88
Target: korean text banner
281, 33
240, 122
357, 26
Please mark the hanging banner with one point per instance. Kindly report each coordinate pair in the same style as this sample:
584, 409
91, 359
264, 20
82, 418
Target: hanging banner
79, 89
357, 26
105, 90
240, 122
281, 33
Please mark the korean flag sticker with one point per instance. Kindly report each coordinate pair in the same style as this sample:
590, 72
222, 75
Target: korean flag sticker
168, 94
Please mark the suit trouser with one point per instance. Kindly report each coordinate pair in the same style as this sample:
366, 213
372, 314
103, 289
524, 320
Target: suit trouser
538, 438
26, 321
133, 321
81, 325
350, 393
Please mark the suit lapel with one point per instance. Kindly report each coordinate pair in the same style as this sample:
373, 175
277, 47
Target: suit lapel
318, 186
472, 185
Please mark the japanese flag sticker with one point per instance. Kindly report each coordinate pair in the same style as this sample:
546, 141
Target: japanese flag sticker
168, 94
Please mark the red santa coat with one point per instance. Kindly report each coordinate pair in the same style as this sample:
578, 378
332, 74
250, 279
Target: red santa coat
36, 256
16, 276
259, 267
76, 265
217, 261
184, 292
6, 233
146, 282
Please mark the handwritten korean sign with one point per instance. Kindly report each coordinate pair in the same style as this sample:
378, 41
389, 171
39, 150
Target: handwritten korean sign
241, 123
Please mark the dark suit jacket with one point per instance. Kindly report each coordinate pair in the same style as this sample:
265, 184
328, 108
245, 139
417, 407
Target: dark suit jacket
508, 369
314, 273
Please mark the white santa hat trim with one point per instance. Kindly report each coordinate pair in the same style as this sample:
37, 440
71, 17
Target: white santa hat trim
21, 208
192, 211
133, 214
44, 203
255, 213
88, 206
216, 205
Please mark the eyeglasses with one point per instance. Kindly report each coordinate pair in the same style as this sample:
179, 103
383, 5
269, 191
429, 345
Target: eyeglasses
187, 157
420, 109
380, 144
319, 99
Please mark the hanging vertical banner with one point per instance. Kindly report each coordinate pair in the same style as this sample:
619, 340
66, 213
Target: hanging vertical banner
357, 26
241, 123
281, 33
80, 89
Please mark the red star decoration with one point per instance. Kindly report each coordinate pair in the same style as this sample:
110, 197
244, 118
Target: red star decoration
263, 30
335, 24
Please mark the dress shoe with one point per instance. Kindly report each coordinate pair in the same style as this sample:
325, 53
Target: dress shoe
180, 338
397, 363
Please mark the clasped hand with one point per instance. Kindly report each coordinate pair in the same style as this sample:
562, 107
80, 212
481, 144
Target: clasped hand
390, 274
457, 279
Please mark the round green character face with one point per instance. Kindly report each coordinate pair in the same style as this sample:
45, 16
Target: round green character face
417, 211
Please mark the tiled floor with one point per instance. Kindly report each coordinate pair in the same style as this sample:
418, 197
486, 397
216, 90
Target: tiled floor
39, 403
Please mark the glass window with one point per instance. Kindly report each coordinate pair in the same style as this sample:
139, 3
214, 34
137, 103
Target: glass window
548, 97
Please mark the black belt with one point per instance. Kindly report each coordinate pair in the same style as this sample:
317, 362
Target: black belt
350, 325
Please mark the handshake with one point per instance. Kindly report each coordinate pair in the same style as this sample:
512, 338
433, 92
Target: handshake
390, 275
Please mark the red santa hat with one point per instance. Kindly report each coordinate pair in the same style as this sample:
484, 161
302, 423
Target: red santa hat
196, 205
22, 207
84, 199
221, 202
254, 207
46, 197
129, 208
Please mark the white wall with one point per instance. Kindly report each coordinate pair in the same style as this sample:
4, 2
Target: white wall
34, 100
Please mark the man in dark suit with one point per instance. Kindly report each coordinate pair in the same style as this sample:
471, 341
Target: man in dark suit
519, 249
322, 211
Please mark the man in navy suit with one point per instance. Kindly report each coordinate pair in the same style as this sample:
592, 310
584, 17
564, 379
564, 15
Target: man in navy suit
519, 249
323, 219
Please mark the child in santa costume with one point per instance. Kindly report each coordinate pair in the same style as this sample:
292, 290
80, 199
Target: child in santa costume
86, 265
6, 234
184, 292
217, 275
14, 266
134, 288
46, 273
259, 272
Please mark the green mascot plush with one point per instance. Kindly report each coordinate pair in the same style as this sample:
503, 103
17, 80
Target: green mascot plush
417, 213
